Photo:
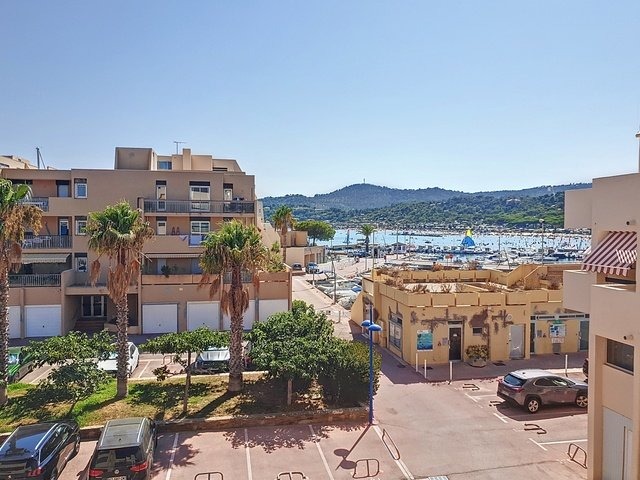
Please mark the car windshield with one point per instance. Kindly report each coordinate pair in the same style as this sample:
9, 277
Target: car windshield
513, 381
112, 356
117, 457
13, 358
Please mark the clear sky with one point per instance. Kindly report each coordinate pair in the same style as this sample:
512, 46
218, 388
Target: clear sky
310, 96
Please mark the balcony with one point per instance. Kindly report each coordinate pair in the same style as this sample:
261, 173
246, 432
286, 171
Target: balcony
46, 241
198, 206
41, 202
35, 280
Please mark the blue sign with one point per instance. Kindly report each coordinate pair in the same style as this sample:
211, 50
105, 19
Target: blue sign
425, 340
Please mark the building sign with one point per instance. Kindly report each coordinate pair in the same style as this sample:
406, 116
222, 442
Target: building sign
558, 330
425, 340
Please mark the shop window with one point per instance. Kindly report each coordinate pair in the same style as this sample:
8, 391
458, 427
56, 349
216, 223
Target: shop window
395, 334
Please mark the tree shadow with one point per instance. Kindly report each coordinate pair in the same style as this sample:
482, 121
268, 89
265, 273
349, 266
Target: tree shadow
164, 396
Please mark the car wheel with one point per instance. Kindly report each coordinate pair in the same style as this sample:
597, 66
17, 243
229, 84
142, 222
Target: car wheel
532, 404
582, 400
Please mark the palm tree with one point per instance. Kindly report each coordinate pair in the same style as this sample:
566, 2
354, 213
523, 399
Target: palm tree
16, 217
283, 219
366, 230
118, 232
235, 248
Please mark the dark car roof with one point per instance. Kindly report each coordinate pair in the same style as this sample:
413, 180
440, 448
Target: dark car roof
27, 438
122, 432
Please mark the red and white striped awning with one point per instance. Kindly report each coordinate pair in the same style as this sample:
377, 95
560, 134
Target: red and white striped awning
616, 254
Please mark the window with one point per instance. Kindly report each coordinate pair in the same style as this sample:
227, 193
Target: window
199, 194
94, 306
477, 330
81, 262
200, 227
165, 165
227, 192
161, 195
161, 227
395, 334
63, 188
544, 382
80, 187
81, 225
620, 355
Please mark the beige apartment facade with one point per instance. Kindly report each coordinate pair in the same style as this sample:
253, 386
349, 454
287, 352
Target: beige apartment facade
434, 316
606, 287
183, 197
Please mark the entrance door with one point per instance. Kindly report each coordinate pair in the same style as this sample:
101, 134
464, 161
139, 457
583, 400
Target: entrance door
532, 337
616, 445
584, 335
455, 343
516, 341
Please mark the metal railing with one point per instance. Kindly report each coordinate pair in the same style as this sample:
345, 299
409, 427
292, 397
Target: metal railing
35, 280
47, 241
197, 206
247, 277
41, 202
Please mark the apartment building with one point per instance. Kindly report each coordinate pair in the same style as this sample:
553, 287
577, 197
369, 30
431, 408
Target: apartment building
606, 287
436, 315
183, 197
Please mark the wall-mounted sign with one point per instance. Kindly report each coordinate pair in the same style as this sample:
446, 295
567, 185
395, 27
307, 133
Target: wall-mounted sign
557, 330
425, 340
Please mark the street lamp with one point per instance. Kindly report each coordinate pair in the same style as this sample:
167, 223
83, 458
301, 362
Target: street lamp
542, 238
371, 327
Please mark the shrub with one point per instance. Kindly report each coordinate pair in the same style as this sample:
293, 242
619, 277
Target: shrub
478, 351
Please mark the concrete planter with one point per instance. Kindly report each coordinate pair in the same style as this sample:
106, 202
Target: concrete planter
477, 362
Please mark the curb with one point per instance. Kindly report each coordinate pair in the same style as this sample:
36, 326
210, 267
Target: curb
338, 415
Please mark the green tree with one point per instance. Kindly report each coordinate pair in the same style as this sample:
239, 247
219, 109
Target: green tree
292, 345
367, 230
118, 233
237, 249
75, 374
316, 230
283, 219
184, 343
274, 261
16, 217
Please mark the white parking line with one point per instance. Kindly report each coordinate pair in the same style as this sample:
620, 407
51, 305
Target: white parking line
538, 444
562, 441
145, 367
471, 397
500, 417
173, 456
41, 376
247, 454
401, 465
324, 460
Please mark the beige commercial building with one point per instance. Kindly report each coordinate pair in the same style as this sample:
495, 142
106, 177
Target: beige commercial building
435, 316
183, 197
606, 287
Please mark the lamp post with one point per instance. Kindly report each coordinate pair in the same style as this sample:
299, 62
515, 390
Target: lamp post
542, 238
371, 327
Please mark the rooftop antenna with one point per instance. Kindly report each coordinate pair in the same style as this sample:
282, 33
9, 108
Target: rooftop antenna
39, 158
638, 137
178, 145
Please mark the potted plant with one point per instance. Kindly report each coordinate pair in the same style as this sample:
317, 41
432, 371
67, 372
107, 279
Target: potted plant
478, 355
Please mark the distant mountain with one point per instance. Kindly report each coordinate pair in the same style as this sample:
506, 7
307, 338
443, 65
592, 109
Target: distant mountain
364, 196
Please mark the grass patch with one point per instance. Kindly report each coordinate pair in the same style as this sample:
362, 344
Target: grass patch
161, 401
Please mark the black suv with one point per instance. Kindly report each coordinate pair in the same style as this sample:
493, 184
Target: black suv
39, 451
124, 450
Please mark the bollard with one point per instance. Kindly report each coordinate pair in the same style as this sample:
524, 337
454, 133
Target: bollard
450, 371
416, 363
425, 368
339, 316
566, 364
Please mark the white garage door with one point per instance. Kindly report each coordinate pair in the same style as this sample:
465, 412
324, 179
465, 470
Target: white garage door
247, 319
203, 314
269, 307
14, 322
160, 318
43, 320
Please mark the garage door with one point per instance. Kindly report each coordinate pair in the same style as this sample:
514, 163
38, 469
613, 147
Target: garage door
269, 307
14, 322
203, 314
247, 320
43, 320
160, 318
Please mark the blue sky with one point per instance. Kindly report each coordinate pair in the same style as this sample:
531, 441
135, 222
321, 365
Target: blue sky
316, 95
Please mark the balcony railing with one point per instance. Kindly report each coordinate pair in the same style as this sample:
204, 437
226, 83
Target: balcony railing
35, 280
47, 241
40, 202
197, 206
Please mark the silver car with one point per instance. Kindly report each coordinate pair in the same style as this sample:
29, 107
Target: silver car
532, 388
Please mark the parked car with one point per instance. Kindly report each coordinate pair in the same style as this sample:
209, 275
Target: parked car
124, 450
532, 388
296, 267
111, 363
585, 368
313, 267
212, 360
19, 364
39, 451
